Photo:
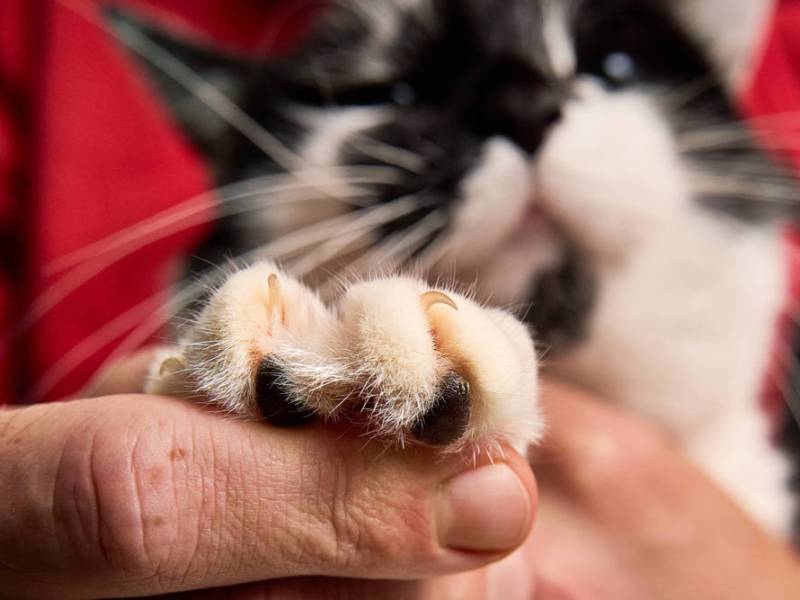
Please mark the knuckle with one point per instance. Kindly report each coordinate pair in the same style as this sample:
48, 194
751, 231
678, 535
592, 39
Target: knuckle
606, 458
379, 532
111, 502
368, 521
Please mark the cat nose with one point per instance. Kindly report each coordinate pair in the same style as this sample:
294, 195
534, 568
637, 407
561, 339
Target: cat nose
523, 117
515, 104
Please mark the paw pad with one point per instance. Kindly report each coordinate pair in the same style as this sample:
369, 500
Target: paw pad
448, 419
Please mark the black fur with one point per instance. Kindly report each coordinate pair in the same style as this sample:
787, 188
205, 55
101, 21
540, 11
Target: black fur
790, 431
273, 401
448, 418
561, 303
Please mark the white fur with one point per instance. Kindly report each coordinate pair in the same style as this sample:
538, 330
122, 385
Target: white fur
613, 157
330, 129
380, 355
490, 236
687, 300
500, 180
222, 349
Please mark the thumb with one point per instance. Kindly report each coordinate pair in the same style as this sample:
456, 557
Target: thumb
145, 495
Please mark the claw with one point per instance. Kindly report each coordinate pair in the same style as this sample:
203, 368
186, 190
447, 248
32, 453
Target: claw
274, 286
429, 299
170, 365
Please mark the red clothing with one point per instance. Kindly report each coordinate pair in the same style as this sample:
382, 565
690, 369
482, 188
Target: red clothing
87, 153
775, 90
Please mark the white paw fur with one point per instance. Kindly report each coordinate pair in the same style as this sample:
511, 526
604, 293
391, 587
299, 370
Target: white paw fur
379, 356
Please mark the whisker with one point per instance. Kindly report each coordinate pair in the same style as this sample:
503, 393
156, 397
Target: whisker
93, 343
328, 251
389, 154
729, 185
190, 293
198, 204
58, 291
376, 216
789, 383
699, 140
407, 240
202, 89
791, 117
361, 227
194, 83
682, 95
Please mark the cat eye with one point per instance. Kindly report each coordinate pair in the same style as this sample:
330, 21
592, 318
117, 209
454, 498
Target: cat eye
619, 67
400, 93
403, 94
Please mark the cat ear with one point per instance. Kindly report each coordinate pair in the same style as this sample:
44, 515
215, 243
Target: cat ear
731, 30
194, 79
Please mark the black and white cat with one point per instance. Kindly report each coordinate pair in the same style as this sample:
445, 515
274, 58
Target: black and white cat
577, 157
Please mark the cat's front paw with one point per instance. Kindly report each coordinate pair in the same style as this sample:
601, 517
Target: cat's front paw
406, 362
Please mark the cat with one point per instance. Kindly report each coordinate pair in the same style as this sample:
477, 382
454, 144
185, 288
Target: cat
581, 159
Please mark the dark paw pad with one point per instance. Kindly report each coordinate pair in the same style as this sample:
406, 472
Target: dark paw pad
448, 418
273, 399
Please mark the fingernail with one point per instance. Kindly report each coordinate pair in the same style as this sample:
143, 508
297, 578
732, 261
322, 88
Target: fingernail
487, 509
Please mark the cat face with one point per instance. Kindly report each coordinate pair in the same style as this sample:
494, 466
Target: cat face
543, 142
533, 146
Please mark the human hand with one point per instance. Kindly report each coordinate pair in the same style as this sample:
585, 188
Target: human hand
142, 495
624, 515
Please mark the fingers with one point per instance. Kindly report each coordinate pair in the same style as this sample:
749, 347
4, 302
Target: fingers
589, 438
143, 495
466, 586
623, 508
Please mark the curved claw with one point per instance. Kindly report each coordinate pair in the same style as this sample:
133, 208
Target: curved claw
170, 365
432, 298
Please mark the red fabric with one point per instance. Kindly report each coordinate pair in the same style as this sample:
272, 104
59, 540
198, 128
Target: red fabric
773, 100
267, 26
86, 151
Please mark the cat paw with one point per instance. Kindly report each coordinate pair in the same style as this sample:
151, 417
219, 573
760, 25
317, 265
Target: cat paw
227, 352
405, 362
433, 366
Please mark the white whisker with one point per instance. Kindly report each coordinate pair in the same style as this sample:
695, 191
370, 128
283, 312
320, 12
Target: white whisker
208, 94
389, 154
727, 185
190, 293
373, 261
93, 343
168, 219
333, 247
80, 275
388, 255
